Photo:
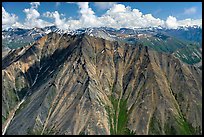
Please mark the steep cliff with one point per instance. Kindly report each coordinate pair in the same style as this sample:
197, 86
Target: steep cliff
85, 85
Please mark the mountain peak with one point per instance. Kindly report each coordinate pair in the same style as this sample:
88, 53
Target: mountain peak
61, 77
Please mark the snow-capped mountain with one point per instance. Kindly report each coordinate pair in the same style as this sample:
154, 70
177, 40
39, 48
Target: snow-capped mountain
18, 37
22, 37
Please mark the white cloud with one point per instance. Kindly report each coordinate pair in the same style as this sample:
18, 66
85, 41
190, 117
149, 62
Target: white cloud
85, 10
60, 23
71, 2
190, 22
120, 16
18, 25
171, 22
87, 18
57, 4
191, 10
104, 5
35, 4
31, 14
33, 17
157, 11
8, 19
118, 8
117, 16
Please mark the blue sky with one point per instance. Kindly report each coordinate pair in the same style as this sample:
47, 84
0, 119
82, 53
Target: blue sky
161, 10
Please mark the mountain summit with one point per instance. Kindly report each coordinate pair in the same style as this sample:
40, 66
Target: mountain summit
78, 84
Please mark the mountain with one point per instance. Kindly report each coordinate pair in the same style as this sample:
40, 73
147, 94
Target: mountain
157, 38
18, 37
15, 38
24, 36
183, 42
193, 33
78, 84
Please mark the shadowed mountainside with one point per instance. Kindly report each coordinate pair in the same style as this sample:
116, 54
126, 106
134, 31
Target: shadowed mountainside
85, 85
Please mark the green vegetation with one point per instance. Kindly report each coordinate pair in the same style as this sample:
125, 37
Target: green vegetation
168, 45
12, 98
155, 126
182, 127
3, 119
189, 55
22, 93
169, 129
15, 44
30, 131
185, 128
181, 49
48, 132
121, 119
20, 87
23, 105
82, 133
112, 115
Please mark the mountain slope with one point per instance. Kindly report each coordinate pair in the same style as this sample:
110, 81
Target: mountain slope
157, 38
86, 85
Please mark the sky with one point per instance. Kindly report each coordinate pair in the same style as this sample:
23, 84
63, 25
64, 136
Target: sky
74, 15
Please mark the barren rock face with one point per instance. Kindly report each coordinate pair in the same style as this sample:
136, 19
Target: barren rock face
87, 85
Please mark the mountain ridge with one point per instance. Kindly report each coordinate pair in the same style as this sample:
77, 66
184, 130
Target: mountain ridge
96, 83
159, 39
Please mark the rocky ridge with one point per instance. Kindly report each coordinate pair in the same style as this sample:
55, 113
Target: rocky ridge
79, 84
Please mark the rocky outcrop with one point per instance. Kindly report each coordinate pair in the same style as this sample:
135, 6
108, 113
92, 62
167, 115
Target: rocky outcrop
85, 85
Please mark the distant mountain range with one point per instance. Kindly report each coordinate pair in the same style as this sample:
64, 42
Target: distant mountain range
183, 42
102, 81
24, 36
